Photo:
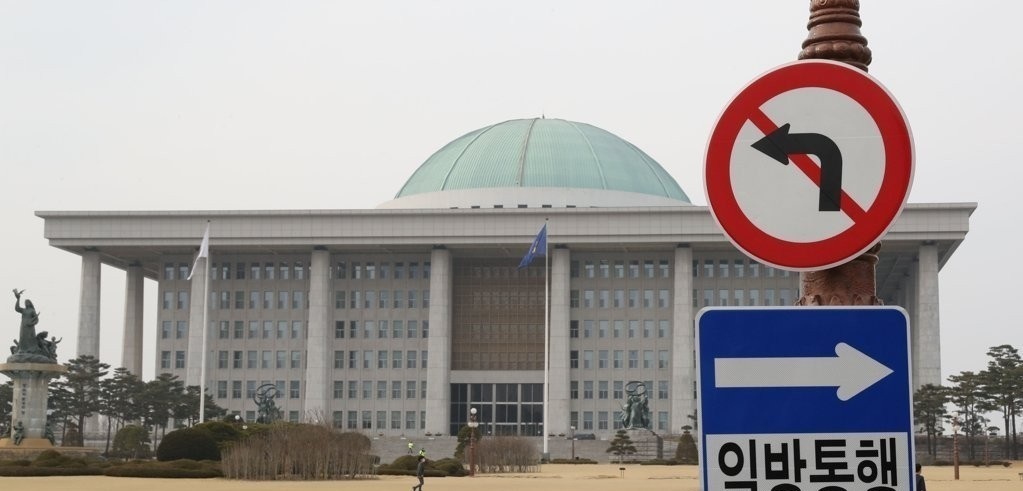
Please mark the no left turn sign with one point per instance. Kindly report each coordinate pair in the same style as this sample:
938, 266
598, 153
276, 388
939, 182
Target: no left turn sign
809, 165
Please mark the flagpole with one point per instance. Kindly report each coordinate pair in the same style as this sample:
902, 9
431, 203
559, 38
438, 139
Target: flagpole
546, 343
205, 321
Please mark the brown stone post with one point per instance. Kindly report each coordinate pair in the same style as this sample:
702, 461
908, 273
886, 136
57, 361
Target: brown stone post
834, 34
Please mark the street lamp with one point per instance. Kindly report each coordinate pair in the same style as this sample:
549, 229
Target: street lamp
573, 441
955, 447
473, 424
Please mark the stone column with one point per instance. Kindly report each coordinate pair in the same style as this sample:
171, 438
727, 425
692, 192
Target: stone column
559, 376
438, 368
927, 351
683, 363
318, 343
196, 330
88, 306
131, 348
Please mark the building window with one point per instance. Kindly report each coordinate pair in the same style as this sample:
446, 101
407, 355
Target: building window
573, 390
573, 359
179, 359
294, 389
339, 359
165, 360
588, 389
602, 390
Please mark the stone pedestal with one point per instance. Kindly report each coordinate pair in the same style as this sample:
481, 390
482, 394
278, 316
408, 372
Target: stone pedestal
28, 411
649, 445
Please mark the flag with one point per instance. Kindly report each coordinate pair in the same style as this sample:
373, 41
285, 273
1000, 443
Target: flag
537, 248
204, 250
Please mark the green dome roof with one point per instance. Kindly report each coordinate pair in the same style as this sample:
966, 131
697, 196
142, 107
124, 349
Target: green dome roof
542, 153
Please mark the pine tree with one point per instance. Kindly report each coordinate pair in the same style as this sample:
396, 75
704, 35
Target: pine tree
621, 445
686, 452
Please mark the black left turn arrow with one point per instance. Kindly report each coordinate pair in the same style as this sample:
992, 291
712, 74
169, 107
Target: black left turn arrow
780, 144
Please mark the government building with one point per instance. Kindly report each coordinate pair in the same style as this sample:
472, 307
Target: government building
396, 320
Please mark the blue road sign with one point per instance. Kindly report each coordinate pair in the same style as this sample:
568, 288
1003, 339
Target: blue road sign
805, 399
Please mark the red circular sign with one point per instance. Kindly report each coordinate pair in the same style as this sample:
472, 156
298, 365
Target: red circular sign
793, 92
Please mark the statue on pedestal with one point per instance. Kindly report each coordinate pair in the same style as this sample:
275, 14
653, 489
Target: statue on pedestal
31, 347
636, 412
267, 411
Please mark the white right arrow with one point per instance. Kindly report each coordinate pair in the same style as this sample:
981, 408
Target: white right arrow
851, 371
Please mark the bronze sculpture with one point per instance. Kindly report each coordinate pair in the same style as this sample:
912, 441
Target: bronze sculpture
31, 347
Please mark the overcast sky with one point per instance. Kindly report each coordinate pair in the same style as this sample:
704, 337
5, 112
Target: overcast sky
195, 105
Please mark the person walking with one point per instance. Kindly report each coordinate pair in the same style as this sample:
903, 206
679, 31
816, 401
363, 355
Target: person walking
410, 446
921, 485
420, 469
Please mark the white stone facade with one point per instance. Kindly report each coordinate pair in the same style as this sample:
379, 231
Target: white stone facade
293, 331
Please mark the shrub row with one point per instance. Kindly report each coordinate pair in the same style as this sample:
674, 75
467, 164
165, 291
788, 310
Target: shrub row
576, 460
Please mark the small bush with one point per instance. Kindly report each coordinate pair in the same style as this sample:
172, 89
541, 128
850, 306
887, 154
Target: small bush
223, 433
16, 463
33, 471
449, 466
404, 472
188, 443
53, 458
178, 469
131, 442
658, 462
576, 460
685, 452
405, 462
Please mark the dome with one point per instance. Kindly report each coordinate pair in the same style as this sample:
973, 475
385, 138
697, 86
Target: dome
521, 160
